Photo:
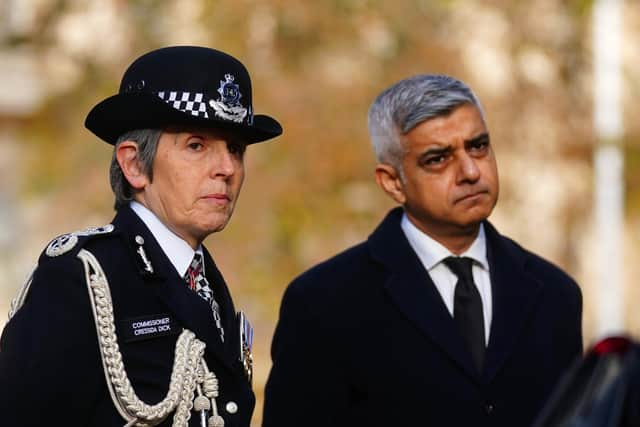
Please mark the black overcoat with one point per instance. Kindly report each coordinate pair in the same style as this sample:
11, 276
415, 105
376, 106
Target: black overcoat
364, 339
51, 371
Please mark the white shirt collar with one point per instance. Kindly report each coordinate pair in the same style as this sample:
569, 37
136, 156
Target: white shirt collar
431, 252
175, 248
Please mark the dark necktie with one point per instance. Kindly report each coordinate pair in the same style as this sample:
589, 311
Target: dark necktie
197, 282
467, 308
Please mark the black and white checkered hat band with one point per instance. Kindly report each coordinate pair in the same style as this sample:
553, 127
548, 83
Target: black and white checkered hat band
188, 102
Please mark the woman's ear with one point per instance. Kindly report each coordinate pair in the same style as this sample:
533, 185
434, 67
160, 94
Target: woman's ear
388, 178
127, 157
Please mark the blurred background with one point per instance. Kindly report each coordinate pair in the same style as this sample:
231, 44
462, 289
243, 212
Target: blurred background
570, 182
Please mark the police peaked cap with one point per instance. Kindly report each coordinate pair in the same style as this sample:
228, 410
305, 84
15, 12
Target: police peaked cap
183, 85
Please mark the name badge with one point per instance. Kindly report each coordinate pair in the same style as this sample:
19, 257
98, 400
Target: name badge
147, 327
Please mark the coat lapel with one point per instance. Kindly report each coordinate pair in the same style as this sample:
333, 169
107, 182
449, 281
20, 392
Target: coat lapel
514, 294
165, 283
413, 292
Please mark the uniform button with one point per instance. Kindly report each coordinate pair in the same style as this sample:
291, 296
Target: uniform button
231, 407
488, 408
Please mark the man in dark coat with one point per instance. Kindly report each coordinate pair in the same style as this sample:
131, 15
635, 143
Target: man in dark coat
132, 323
437, 319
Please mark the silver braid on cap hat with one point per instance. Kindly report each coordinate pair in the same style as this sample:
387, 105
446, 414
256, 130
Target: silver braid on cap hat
190, 372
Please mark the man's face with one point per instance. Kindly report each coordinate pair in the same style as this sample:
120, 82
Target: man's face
450, 176
197, 176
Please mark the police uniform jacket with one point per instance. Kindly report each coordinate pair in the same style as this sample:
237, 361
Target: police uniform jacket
364, 339
51, 371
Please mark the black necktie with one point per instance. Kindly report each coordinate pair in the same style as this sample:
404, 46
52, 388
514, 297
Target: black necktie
467, 308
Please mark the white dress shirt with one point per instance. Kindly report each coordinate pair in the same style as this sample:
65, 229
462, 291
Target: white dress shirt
175, 248
432, 253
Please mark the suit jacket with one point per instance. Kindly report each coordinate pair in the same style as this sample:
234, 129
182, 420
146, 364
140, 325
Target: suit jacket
364, 339
50, 364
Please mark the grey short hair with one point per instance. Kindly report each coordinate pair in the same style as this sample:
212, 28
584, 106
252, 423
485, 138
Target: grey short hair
406, 104
147, 140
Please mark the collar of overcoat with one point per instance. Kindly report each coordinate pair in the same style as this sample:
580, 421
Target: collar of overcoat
164, 281
514, 292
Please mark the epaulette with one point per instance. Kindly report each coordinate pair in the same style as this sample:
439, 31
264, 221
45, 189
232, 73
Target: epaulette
67, 242
59, 246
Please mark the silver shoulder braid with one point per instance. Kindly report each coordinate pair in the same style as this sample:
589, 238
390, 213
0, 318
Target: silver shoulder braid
190, 373
18, 301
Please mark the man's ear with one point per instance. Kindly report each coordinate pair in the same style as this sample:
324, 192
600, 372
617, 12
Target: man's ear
129, 161
388, 178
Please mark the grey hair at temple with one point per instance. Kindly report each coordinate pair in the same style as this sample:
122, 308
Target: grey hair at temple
147, 140
406, 104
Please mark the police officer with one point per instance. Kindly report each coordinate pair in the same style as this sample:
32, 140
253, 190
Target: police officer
132, 323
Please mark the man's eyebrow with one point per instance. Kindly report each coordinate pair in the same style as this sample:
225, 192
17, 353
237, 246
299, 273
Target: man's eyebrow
483, 137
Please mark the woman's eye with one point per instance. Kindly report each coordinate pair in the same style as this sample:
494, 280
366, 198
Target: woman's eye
236, 148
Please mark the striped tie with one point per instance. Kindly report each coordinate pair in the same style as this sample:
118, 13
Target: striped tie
197, 282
